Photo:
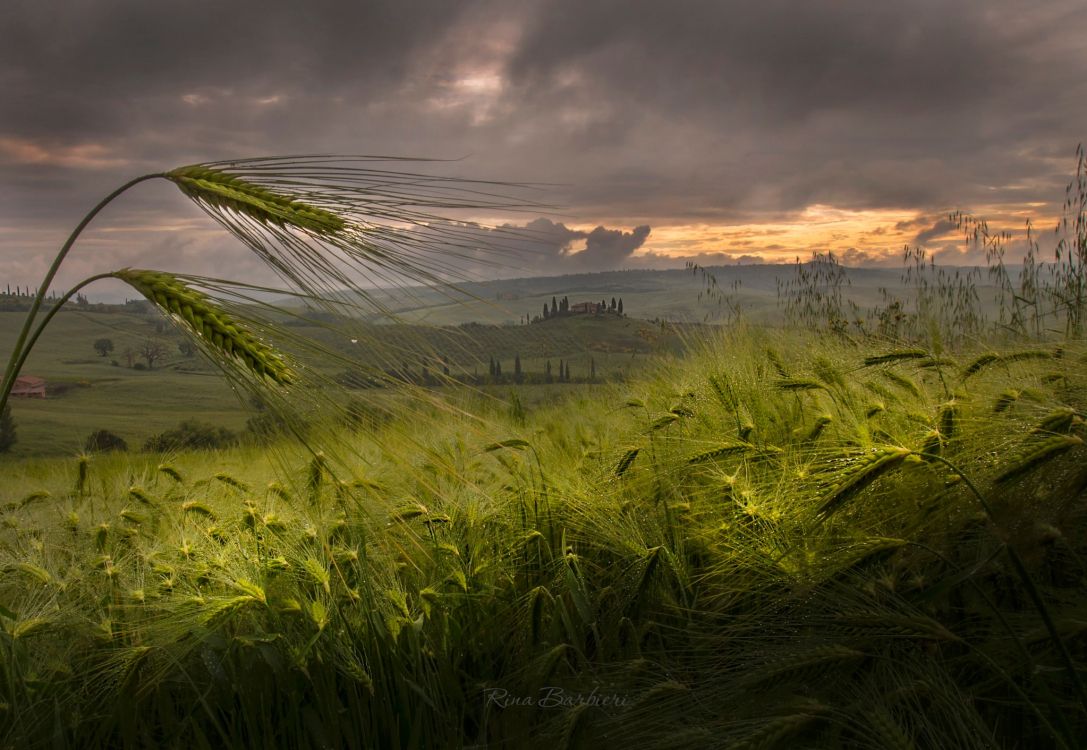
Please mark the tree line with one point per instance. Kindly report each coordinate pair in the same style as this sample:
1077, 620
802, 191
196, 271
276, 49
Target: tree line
496, 375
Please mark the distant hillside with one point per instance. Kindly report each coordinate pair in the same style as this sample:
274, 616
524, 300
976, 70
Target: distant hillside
675, 295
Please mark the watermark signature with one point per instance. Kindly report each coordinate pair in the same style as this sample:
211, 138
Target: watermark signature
553, 697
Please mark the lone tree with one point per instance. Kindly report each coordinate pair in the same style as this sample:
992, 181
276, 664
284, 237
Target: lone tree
103, 346
518, 375
152, 351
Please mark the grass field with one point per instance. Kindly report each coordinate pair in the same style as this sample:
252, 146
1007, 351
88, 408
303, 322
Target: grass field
97, 395
778, 540
95, 392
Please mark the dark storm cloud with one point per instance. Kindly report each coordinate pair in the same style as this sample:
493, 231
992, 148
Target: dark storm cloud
638, 111
89, 68
550, 247
777, 105
608, 248
941, 228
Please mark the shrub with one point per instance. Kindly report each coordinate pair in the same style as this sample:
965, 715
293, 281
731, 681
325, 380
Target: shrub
101, 441
191, 434
55, 388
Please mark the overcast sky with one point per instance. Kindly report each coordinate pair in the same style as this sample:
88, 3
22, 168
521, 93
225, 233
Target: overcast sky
716, 130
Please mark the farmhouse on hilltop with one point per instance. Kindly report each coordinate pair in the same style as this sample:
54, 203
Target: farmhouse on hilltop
29, 386
561, 308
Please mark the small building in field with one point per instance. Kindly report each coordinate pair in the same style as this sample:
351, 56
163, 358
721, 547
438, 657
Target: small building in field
584, 308
29, 386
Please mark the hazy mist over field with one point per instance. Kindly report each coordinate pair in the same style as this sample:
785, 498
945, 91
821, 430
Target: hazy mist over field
714, 132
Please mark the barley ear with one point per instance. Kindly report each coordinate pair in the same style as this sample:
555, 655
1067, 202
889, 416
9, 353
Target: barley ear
720, 452
799, 384
896, 356
947, 418
221, 190
626, 461
980, 363
1044, 451
861, 474
221, 333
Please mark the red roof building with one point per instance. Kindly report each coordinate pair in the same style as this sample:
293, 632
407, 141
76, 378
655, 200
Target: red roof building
29, 386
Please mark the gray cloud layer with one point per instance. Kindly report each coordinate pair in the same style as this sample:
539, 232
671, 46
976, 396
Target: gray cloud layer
544, 243
641, 113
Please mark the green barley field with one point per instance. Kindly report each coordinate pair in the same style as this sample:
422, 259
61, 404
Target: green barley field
863, 525
781, 540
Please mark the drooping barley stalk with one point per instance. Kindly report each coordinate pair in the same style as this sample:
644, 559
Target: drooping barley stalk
221, 333
222, 191
896, 356
857, 475
328, 225
1041, 453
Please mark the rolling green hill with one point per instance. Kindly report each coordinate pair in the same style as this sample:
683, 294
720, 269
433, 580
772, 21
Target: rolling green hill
438, 331
87, 392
